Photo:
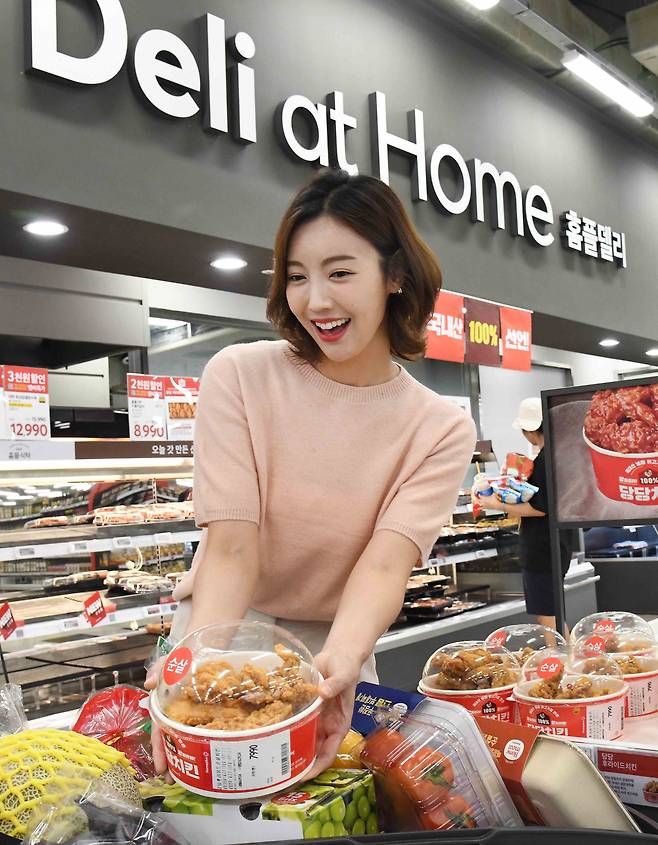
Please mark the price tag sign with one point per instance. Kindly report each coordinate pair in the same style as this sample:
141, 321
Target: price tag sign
122, 542
7, 621
94, 611
24, 552
482, 333
78, 547
146, 407
26, 405
181, 396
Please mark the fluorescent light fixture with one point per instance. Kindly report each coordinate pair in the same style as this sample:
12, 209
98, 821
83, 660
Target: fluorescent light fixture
653, 352
228, 262
483, 5
9, 502
10, 493
598, 77
46, 228
609, 342
163, 323
24, 497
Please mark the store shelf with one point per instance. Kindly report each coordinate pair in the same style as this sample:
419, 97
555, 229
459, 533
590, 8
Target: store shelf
47, 543
467, 557
78, 624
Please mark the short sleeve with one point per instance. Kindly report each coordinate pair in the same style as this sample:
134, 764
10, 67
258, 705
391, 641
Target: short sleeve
225, 476
538, 479
424, 501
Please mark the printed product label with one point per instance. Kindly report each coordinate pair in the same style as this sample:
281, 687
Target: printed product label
632, 775
181, 396
594, 721
177, 664
492, 705
26, 414
146, 407
7, 621
642, 697
251, 764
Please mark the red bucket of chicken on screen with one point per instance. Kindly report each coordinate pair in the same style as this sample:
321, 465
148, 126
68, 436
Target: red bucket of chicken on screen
621, 433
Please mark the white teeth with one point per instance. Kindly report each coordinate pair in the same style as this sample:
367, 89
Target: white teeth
334, 324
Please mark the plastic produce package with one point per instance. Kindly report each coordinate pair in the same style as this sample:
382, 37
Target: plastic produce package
433, 772
99, 816
238, 707
12, 714
117, 718
477, 676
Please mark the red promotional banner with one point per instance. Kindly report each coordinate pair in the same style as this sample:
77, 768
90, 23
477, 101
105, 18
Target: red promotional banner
25, 379
482, 330
516, 334
7, 621
94, 610
445, 331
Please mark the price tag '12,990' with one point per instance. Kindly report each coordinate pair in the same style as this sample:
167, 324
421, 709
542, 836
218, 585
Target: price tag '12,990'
146, 407
24, 404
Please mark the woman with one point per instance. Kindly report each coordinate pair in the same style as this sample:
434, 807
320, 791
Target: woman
323, 470
534, 537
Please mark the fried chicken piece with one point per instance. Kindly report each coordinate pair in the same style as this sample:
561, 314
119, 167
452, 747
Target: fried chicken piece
526, 654
239, 719
580, 688
213, 682
192, 713
546, 689
629, 665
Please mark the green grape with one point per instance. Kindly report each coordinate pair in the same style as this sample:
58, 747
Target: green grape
313, 830
323, 816
363, 807
338, 810
359, 792
328, 830
359, 828
372, 795
371, 824
351, 815
340, 829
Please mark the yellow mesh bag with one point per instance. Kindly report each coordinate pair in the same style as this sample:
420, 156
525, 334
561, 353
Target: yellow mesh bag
47, 763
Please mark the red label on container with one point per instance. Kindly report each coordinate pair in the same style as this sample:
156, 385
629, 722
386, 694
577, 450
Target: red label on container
7, 621
594, 645
94, 610
177, 665
549, 667
292, 798
605, 626
496, 704
497, 639
588, 720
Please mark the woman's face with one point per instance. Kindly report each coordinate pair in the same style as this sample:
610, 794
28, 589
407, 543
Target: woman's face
336, 288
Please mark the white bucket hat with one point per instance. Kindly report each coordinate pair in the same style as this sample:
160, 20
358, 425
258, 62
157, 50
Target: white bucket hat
529, 416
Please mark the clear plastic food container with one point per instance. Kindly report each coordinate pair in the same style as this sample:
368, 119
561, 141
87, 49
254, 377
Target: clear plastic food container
639, 669
524, 640
477, 676
433, 771
614, 632
238, 707
566, 696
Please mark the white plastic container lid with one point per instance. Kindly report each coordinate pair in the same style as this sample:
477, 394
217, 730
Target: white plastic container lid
523, 640
618, 630
237, 676
470, 665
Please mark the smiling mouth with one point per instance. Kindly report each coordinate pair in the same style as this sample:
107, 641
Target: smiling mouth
331, 329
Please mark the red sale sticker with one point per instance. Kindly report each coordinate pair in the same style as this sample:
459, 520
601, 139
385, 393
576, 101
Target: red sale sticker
94, 609
498, 639
177, 665
594, 645
550, 667
7, 621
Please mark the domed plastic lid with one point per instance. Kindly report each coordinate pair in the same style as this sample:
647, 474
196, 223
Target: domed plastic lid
545, 664
584, 662
629, 662
471, 665
524, 640
237, 676
614, 632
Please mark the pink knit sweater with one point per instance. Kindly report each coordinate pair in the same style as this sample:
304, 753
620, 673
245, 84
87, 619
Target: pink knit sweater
320, 466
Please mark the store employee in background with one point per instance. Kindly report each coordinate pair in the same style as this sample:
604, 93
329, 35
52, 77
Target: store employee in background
534, 542
322, 469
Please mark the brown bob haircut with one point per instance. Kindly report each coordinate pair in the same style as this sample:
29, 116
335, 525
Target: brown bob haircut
373, 211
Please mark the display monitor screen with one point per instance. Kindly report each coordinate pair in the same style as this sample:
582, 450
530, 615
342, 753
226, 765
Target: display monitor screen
602, 448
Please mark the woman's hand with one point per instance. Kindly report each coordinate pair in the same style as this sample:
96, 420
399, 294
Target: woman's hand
157, 743
492, 502
340, 671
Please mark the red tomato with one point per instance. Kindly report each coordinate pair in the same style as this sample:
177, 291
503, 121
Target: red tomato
455, 812
381, 749
425, 774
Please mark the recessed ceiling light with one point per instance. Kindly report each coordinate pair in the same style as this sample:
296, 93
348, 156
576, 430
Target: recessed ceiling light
228, 262
163, 323
609, 341
46, 228
653, 352
483, 5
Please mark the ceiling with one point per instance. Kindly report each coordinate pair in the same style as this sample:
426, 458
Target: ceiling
118, 245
